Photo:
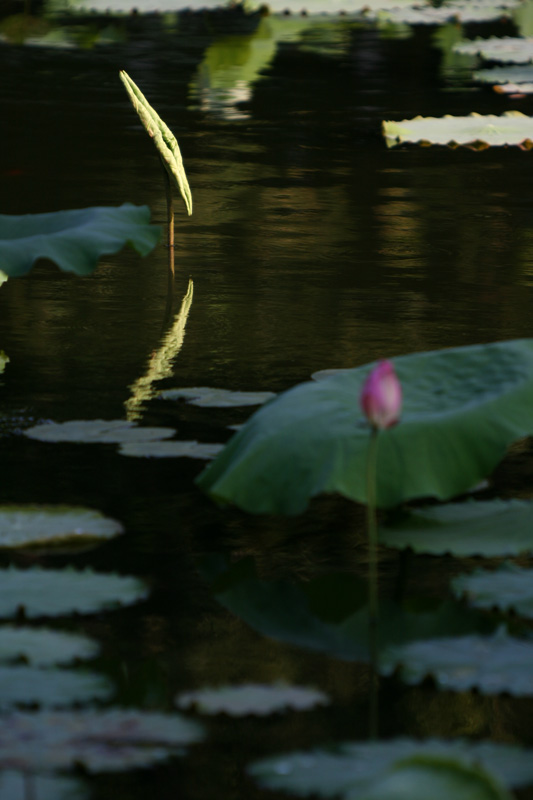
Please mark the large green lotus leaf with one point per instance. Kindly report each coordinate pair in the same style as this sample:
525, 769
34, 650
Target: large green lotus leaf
509, 588
491, 664
511, 128
114, 431
29, 525
45, 592
216, 398
462, 408
240, 701
173, 449
14, 786
42, 647
22, 685
355, 768
115, 739
74, 240
507, 49
522, 74
474, 528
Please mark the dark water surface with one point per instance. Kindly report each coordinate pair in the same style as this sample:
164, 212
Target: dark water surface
312, 245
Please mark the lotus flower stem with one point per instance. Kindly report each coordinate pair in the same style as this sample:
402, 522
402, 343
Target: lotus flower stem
373, 605
170, 221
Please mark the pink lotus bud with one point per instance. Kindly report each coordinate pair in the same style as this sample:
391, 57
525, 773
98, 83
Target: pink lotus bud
381, 396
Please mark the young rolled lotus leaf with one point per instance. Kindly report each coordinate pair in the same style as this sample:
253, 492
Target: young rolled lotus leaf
497, 664
43, 647
507, 49
483, 130
257, 699
114, 431
113, 739
173, 449
54, 688
29, 525
216, 398
14, 786
75, 239
358, 767
509, 588
473, 528
462, 407
41, 592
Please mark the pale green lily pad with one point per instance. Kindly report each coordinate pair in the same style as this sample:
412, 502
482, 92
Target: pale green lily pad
491, 664
14, 786
173, 449
45, 592
427, 15
521, 74
356, 767
42, 647
474, 528
216, 398
511, 128
507, 49
509, 587
96, 430
29, 525
514, 88
99, 740
74, 240
22, 685
240, 701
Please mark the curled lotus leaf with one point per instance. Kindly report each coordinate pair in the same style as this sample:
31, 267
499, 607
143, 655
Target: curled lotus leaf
75, 239
509, 588
507, 49
43, 647
216, 398
172, 449
490, 130
240, 701
30, 525
22, 685
114, 431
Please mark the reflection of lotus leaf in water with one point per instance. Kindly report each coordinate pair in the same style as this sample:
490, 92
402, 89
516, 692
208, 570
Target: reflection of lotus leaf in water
511, 128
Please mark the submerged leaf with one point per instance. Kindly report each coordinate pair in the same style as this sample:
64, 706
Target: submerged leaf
171, 449
28, 525
511, 128
74, 240
23, 685
216, 398
509, 588
240, 701
42, 647
96, 430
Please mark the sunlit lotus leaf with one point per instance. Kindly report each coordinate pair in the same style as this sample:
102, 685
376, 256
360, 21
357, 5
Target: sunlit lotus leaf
3, 277
507, 49
42, 647
14, 786
96, 430
474, 528
462, 408
522, 74
511, 128
350, 768
491, 664
171, 449
29, 525
3, 361
163, 138
240, 701
464, 12
99, 740
45, 592
22, 685
216, 398
509, 587
74, 240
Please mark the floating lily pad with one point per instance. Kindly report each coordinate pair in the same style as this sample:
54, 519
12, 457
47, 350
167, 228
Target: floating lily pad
171, 449
491, 664
483, 528
353, 768
74, 240
240, 701
14, 786
22, 685
45, 592
509, 588
96, 430
514, 88
507, 49
511, 128
522, 74
29, 525
216, 398
427, 15
42, 647
99, 740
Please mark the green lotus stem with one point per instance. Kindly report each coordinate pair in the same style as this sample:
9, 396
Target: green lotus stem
373, 606
170, 220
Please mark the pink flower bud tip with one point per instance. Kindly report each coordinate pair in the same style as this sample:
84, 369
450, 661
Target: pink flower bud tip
381, 396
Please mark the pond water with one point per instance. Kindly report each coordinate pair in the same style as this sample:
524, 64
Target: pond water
312, 246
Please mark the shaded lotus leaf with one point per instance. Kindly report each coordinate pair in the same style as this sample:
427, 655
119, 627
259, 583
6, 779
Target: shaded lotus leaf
42, 647
507, 49
171, 449
14, 786
511, 128
357, 767
240, 701
163, 138
216, 398
74, 240
491, 664
45, 592
22, 685
96, 430
28, 525
474, 528
509, 588
521, 74
99, 740
462, 408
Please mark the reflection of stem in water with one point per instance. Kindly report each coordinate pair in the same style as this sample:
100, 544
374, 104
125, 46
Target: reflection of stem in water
371, 475
160, 364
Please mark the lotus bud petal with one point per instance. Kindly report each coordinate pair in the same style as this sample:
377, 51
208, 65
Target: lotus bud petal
381, 396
